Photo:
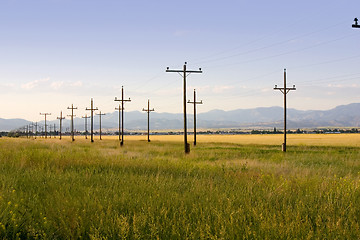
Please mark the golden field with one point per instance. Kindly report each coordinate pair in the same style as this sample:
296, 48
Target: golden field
228, 187
352, 140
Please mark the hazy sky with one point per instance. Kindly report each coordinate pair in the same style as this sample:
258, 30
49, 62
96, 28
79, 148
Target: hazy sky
54, 53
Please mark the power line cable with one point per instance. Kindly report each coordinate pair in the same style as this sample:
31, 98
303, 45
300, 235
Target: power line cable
268, 46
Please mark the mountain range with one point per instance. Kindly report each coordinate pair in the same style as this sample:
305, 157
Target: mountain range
263, 117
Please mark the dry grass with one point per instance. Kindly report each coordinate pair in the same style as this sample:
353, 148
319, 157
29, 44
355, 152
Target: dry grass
228, 187
352, 140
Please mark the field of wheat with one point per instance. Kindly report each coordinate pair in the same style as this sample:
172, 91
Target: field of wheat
260, 139
228, 187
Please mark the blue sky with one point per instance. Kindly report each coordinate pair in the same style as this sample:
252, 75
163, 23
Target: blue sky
55, 53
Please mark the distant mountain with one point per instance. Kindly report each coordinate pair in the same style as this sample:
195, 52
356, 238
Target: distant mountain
341, 116
9, 124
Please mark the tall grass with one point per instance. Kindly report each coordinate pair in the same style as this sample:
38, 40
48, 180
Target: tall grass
58, 189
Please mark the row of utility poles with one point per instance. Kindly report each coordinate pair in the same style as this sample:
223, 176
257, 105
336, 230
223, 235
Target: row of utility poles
184, 73
33, 129
121, 115
92, 109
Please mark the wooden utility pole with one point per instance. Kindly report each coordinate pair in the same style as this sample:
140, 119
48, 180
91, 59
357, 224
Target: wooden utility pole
148, 110
184, 74
72, 121
45, 114
41, 131
60, 118
195, 102
92, 109
119, 108
100, 114
284, 91
122, 100
36, 125
86, 131
50, 131
27, 131
356, 25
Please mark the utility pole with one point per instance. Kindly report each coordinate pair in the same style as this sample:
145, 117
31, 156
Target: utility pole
42, 132
36, 125
122, 100
86, 131
195, 102
60, 118
92, 109
72, 121
50, 131
284, 91
148, 110
356, 25
119, 108
45, 114
27, 131
184, 74
100, 114
54, 131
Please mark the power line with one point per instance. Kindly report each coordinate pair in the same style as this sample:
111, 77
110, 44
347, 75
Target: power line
45, 114
284, 53
86, 131
356, 25
92, 109
100, 114
148, 110
119, 109
195, 102
60, 118
184, 74
72, 121
268, 46
36, 125
122, 100
284, 91
50, 130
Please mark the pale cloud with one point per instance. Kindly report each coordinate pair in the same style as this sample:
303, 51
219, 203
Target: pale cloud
77, 84
266, 90
343, 85
200, 88
7, 85
62, 84
222, 89
35, 83
57, 85
54, 85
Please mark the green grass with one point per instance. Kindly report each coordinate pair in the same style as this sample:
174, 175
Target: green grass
61, 190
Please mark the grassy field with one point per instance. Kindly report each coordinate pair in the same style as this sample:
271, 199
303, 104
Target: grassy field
228, 187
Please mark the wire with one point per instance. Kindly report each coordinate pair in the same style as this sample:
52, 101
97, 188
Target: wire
326, 62
285, 53
269, 46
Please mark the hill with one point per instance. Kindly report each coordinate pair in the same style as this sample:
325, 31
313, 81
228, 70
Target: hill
262, 117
